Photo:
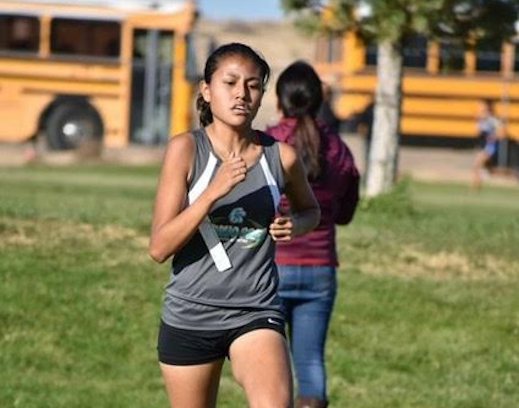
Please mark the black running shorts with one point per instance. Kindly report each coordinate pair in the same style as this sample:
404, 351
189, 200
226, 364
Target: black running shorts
191, 347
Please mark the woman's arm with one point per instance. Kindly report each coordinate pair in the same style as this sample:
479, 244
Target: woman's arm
173, 222
348, 202
346, 180
305, 213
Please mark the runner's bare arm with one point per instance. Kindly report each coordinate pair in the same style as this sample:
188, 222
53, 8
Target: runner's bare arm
174, 222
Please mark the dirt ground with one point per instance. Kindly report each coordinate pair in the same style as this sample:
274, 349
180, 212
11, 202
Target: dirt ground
421, 163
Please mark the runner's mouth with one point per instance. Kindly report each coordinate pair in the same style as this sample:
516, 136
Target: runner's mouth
241, 109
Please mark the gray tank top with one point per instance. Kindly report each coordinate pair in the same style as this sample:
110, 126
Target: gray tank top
198, 295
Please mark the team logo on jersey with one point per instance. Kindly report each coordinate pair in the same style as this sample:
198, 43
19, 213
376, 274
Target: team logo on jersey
237, 215
237, 227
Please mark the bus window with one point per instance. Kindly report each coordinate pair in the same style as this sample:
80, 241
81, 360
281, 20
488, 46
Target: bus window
333, 48
329, 48
452, 56
19, 33
415, 51
92, 38
193, 70
488, 55
151, 86
370, 54
516, 58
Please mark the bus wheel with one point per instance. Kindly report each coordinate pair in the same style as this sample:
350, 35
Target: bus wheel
71, 124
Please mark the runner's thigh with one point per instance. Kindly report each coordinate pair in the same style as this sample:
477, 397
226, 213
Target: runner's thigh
260, 363
192, 386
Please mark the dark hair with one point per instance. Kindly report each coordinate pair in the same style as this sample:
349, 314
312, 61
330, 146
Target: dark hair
300, 95
211, 65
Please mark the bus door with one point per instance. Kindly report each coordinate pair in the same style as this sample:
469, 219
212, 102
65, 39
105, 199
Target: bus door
151, 86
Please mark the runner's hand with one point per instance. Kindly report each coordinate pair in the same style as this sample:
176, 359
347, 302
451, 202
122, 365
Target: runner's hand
231, 172
281, 229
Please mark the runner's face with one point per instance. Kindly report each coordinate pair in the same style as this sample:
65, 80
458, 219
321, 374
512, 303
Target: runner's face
235, 91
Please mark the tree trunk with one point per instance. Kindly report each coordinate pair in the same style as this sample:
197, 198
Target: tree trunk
383, 155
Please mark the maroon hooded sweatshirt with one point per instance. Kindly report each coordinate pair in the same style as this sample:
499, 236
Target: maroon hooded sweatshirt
336, 190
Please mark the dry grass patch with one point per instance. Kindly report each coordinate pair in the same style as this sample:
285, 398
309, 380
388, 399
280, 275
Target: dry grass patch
113, 243
15, 234
413, 262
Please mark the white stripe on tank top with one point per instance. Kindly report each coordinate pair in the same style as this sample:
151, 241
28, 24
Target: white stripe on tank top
213, 243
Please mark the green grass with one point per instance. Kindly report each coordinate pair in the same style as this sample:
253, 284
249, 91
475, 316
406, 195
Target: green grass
427, 313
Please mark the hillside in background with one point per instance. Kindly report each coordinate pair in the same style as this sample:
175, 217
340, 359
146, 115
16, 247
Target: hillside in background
279, 42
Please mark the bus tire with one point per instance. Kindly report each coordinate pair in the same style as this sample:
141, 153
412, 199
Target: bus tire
71, 124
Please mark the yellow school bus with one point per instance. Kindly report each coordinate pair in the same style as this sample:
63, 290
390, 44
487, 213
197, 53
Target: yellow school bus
442, 83
115, 70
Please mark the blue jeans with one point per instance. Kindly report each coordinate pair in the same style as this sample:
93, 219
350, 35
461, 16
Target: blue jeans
308, 293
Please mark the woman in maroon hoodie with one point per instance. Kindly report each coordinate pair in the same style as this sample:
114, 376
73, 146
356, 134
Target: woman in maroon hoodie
307, 264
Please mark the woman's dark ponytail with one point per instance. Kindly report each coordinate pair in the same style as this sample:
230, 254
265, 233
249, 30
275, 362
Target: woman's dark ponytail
307, 142
300, 94
204, 111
